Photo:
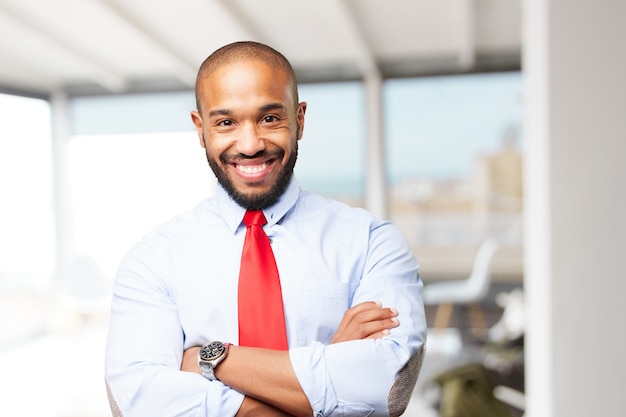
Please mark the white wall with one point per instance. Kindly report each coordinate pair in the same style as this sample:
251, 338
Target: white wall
575, 69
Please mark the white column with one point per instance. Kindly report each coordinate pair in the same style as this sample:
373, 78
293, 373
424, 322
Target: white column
60, 135
575, 181
376, 178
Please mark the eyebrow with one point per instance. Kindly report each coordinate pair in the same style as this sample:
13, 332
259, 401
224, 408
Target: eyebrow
264, 108
273, 106
219, 112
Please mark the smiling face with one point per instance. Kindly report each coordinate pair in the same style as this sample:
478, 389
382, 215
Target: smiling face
249, 125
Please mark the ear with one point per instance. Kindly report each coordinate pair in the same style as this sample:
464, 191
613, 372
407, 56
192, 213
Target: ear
300, 111
197, 121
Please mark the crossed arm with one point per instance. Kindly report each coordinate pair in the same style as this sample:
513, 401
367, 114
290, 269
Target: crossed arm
266, 376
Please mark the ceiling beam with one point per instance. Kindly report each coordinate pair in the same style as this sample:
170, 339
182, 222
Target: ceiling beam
467, 34
376, 182
365, 59
184, 69
103, 75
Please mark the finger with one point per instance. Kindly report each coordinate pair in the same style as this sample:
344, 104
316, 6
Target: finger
379, 335
362, 308
368, 321
375, 315
357, 329
367, 330
364, 320
353, 312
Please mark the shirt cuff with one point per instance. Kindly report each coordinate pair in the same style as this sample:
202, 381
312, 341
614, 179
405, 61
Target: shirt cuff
309, 365
336, 382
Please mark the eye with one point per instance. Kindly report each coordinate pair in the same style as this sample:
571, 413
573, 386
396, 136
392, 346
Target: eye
270, 119
226, 122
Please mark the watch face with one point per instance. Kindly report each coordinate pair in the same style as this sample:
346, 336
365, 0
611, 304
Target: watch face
212, 350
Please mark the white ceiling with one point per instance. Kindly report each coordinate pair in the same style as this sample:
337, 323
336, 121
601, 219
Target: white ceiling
117, 46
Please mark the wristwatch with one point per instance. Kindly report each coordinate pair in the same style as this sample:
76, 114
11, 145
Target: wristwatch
210, 355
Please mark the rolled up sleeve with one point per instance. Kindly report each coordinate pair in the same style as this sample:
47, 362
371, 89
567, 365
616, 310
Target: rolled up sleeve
349, 378
355, 377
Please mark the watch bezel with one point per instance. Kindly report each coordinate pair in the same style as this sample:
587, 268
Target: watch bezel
211, 351
209, 356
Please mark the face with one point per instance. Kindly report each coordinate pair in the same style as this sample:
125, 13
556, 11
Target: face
249, 126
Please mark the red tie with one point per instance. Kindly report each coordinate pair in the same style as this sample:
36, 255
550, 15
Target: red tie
261, 315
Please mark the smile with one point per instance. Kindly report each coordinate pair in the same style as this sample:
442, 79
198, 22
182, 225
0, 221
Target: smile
251, 169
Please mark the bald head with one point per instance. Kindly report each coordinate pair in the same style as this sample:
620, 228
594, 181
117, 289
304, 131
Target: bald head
243, 52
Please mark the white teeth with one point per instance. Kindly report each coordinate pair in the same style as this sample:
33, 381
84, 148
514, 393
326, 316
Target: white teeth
251, 169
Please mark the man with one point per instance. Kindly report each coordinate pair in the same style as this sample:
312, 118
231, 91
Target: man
351, 295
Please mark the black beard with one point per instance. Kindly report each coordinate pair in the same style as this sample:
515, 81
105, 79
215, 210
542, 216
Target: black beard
256, 201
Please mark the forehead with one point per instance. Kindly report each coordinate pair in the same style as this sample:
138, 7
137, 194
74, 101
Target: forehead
242, 83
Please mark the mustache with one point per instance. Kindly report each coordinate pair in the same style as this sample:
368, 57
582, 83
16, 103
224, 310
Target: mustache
265, 154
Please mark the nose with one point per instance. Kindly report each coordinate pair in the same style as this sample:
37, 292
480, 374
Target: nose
250, 141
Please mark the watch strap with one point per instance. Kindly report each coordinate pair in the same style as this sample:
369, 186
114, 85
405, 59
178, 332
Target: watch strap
207, 371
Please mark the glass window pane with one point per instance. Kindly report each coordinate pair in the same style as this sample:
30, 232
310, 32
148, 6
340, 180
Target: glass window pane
454, 151
26, 222
122, 186
331, 158
27, 232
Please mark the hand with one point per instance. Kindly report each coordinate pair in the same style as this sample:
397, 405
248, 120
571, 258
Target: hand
368, 320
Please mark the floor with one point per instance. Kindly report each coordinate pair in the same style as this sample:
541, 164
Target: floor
55, 376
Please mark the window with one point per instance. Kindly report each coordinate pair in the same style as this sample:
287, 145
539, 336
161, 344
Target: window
455, 167
27, 237
331, 158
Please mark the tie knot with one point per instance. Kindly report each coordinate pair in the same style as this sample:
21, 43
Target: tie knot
254, 217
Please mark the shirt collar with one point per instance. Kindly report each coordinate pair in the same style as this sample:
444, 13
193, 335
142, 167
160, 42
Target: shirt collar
233, 212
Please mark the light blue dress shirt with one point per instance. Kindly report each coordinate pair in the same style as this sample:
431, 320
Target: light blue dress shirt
177, 289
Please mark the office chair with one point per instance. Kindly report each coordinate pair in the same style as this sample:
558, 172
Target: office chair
470, 291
